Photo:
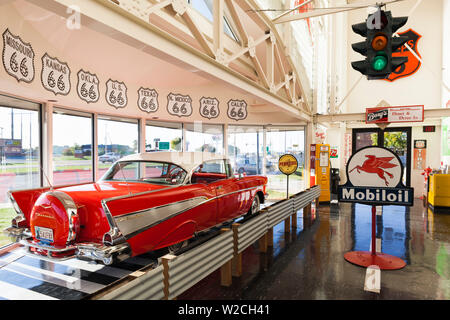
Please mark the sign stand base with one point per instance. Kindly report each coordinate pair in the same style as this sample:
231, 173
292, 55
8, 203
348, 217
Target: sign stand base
367, 258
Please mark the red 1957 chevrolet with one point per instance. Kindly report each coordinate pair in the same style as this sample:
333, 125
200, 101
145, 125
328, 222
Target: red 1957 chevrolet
144, 202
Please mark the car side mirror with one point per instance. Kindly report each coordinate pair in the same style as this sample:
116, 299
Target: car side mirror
240, 173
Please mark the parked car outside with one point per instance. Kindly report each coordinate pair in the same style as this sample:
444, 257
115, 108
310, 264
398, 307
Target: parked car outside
109, 157
144, 202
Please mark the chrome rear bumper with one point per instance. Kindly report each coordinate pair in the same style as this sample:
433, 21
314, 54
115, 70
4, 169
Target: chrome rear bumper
85, 251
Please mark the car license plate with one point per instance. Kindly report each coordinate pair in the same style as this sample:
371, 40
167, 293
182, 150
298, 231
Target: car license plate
44, 233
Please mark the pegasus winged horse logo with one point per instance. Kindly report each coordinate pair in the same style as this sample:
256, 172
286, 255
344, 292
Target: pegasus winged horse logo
376, 165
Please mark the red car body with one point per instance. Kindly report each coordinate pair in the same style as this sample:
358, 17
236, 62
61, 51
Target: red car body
113, 219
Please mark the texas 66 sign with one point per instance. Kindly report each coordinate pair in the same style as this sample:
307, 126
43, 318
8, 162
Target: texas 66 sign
374, 176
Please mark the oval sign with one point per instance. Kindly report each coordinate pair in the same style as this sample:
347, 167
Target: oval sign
287, 164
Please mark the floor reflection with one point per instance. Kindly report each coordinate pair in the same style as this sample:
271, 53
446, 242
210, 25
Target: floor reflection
308, 262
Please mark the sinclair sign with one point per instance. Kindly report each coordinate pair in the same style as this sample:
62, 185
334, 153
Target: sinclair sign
374, 177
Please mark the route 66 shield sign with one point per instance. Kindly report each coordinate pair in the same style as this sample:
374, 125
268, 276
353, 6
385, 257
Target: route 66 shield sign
209, 108
18, 57
148, 100
413, 64
116, 94
237, 109
179, 105
55, 75
88, 86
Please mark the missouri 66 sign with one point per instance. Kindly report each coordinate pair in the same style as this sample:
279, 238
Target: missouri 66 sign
374, 176
18, 57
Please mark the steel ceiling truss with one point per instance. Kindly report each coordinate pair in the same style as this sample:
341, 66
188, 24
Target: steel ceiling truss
259, 55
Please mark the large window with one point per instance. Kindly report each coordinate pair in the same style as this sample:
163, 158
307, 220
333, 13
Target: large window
72, 148
204, 137
281, 141
246, 150
116, 138
163, 136
20, 154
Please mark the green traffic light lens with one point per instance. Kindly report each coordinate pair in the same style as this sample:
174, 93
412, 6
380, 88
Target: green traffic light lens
379, 62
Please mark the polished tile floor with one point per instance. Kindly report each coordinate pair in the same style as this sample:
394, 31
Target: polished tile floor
308, 263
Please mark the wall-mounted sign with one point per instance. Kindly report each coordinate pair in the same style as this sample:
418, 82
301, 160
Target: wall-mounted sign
55, 75
209, 108
148, 100
179, 105
18, 57
413, 63
116, 94
429, 129
334, 152
88, 86
237, 109
394, 114
420, 154
374, 176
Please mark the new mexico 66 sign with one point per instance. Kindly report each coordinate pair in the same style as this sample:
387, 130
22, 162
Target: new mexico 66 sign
374, 176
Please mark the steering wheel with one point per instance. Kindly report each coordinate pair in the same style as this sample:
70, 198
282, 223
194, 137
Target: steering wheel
175, 174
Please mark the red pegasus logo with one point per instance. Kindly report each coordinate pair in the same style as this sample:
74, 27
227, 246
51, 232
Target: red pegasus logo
375, 165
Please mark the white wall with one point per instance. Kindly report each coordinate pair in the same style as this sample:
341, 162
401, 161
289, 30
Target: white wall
423, 87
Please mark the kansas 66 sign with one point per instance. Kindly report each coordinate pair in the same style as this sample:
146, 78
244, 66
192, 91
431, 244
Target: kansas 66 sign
179, 105
55, 75
116, 94
209, 107
237, 109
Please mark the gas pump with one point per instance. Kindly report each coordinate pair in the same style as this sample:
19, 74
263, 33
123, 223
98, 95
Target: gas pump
320, 169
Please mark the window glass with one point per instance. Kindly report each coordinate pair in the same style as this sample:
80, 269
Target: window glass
162, 136
205, 8
116, 139
245, 150
204, 137
146, 171
279, 142
19, 156
72, 148
214, 166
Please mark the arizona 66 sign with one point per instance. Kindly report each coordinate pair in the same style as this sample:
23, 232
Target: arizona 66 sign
374, 176
55, 75
237, 109
116, 94
179, 105
147, 100
18, 57
209, 107
88, 86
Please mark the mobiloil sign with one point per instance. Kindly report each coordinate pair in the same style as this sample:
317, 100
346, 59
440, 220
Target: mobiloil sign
374, 177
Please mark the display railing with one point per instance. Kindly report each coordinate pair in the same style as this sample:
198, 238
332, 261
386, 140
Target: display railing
176, 274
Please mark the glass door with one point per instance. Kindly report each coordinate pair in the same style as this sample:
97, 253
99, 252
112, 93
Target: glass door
396, 139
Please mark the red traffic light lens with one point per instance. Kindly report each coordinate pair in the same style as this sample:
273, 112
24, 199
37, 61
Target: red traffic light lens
379, 42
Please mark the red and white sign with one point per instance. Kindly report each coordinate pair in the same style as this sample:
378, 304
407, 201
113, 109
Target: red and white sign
395, 114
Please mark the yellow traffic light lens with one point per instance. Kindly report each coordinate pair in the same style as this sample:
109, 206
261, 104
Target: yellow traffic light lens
379, 42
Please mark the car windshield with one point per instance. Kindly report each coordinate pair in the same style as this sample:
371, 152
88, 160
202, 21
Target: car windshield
145, 171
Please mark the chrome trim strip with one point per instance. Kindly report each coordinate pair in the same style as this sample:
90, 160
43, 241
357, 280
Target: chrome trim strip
174, 214
136, 222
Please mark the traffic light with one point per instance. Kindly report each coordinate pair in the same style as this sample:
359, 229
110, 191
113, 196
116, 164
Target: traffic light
379, 44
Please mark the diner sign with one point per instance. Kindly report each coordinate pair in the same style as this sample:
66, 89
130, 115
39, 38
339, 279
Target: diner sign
395, 114
374, 177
